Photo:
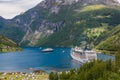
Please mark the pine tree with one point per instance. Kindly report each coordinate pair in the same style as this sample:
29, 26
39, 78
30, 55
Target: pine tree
117, 59
55, 76
109, 65
51, 76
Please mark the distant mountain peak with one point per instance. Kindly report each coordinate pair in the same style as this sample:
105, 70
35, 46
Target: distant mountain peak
49, 3
54, 5
1, 17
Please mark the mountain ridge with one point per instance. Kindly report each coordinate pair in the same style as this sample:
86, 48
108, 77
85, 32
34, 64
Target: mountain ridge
51, 17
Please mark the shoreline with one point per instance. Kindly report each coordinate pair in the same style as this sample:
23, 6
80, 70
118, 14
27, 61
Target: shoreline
30, 70
111, 53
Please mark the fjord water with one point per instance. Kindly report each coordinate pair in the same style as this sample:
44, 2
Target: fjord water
32, 58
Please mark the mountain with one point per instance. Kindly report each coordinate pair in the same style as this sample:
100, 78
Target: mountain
64, 23
11, 30
7, 45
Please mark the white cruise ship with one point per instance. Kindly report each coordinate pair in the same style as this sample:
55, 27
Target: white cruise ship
47, 50
83, 55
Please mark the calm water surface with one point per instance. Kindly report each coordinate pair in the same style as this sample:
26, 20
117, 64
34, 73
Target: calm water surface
33, 58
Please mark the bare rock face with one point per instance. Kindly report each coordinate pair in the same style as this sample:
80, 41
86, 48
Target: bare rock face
112, 2
51, 3
54, 5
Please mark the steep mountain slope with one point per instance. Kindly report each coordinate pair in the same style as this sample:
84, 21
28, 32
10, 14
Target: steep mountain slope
64, 23
7, 45
11, 30
112, 42
87, 25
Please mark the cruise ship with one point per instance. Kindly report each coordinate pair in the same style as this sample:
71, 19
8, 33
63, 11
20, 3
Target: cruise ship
83, 55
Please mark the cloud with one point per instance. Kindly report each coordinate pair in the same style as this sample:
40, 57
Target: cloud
11, 8
119, 1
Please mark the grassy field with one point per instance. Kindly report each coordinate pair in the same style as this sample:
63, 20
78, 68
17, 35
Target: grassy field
23, 76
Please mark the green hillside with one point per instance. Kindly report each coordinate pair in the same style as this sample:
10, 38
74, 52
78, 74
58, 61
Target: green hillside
111, 43
85, 25
11, 31
7, 45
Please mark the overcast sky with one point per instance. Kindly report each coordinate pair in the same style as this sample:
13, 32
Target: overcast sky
11, 8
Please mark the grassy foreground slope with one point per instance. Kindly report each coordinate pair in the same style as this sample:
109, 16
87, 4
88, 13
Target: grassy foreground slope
7, 45
23, 76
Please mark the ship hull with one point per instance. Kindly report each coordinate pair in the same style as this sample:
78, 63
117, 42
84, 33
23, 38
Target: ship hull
79, 59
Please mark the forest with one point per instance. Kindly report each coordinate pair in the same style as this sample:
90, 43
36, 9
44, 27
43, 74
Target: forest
95, 70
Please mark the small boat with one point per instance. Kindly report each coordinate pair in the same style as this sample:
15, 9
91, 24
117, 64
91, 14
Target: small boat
47, 50
40, 48
63, 51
